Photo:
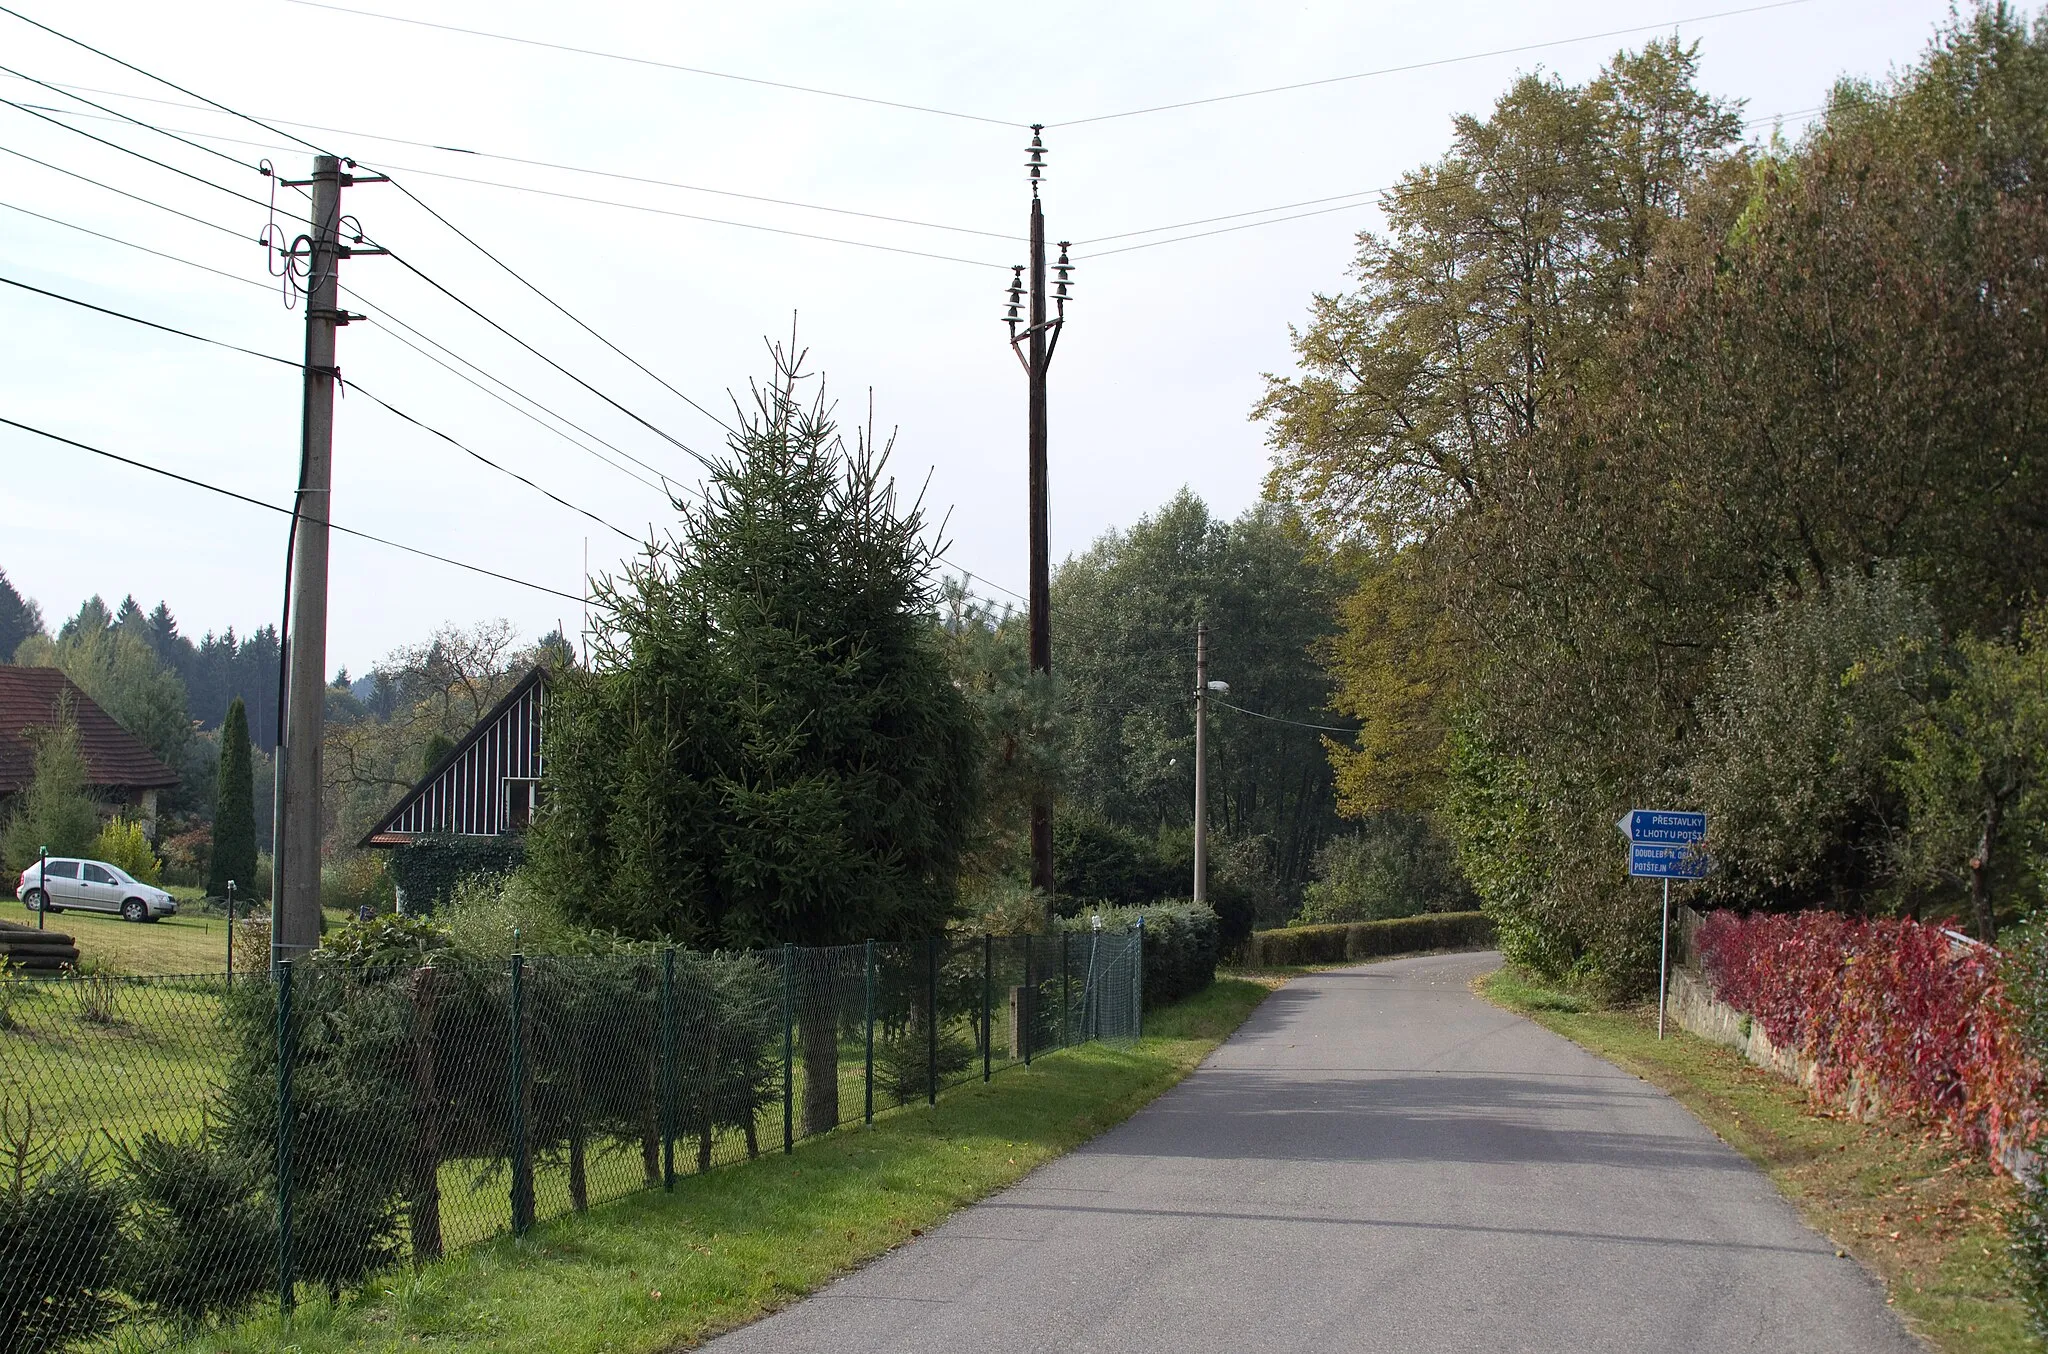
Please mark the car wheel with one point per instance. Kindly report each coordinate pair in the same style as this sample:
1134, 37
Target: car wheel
33, 900
135, 910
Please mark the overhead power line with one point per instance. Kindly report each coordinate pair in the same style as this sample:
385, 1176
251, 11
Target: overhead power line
1345, 202
562, 166
664, 65
362, 300
1413, 66
130, 150
123, 117
1255, 714
168, 84
351, 385
287, 512
637, 206
132, 197
130, 244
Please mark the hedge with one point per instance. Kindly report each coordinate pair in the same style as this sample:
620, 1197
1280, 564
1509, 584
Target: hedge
1182, 942
1344, 943
429, 869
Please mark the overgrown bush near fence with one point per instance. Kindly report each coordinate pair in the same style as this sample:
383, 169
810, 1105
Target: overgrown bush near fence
174, 1150
1349, 942
1182, 944
1896, 1011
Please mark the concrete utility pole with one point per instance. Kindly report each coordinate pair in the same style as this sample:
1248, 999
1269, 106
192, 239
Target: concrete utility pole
1041, 336
295, 834
1202, 763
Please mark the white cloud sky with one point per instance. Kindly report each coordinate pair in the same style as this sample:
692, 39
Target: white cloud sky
1150, 391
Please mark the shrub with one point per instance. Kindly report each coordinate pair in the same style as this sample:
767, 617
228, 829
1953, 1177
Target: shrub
1395, 865
60, 1242
903, 1063
1898, 1008
1182, 944
354, 882
205, 1242
429, 870
1370, 939
121, 842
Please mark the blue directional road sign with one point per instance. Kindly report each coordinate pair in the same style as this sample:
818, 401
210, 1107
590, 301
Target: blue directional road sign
1665, 843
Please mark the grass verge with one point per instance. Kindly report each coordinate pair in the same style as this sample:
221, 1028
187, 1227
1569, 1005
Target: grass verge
658, 1271
1921, 1215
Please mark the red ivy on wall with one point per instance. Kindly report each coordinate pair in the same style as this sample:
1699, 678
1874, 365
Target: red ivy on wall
1906, 1013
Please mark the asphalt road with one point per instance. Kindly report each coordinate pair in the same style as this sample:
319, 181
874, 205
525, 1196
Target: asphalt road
1377, 1161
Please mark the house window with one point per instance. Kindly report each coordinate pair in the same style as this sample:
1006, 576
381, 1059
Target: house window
520, 797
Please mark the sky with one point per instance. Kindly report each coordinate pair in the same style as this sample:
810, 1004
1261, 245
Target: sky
1151, 390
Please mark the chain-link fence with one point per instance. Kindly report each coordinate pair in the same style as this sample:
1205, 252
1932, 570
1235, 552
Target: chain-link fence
176, 1151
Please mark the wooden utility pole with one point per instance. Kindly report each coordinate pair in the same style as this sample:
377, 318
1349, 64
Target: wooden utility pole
295, 835
1202, 763
1040, 336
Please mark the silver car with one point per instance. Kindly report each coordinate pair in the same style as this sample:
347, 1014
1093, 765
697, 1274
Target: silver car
92, 886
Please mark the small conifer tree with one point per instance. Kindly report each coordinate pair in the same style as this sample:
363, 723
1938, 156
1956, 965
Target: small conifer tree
234, 810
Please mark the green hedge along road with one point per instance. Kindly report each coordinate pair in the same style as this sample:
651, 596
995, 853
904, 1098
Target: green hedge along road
1377, 1161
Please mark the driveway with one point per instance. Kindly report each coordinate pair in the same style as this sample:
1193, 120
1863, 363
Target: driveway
1377, 1161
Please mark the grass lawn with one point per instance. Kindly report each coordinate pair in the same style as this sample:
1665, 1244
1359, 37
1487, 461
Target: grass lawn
191, 942
656, 1271
1923, 1216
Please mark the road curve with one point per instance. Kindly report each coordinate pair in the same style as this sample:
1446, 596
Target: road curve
1377, 1161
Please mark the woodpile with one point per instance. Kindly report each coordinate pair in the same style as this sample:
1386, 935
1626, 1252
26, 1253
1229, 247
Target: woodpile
33, 951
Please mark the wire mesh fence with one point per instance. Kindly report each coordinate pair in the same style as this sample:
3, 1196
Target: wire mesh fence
175, 1152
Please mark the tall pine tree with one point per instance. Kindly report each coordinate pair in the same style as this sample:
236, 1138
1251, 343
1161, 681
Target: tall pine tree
234, 810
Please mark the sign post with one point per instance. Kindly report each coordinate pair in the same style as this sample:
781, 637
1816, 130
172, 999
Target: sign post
1665, 844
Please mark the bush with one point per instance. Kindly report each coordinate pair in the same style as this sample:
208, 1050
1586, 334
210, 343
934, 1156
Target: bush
1096, 861
1370, 939
1894, 1007
1395, 865
428, 871
122, 843
206, 1237
60, 1242
903, 1063
355, 882
1182, 944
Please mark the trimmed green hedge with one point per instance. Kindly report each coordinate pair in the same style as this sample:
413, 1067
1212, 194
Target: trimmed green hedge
1368, 939
1182, 941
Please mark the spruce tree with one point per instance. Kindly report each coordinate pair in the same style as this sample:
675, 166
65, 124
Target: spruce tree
769, 747
19, 618
234, 810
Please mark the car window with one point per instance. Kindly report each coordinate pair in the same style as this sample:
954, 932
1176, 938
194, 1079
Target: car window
95, 875
63, 869
121, 876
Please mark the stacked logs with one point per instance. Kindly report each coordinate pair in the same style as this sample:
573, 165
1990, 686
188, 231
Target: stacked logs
33, 951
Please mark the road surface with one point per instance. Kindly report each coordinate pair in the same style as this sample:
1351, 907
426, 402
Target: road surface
1378, 1161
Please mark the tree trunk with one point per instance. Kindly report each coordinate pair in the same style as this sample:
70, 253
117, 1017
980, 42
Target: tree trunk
650, 1123
579, 1134
424, 1195
821, 1070
1980, 874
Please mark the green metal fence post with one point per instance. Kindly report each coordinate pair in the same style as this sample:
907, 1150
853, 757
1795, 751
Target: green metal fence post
1027, 1002
1066, 986
931, 1022
868, 1074
988, 1033
668, 1068
788, 1052
522, 1162
1138, 983
287, 1054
